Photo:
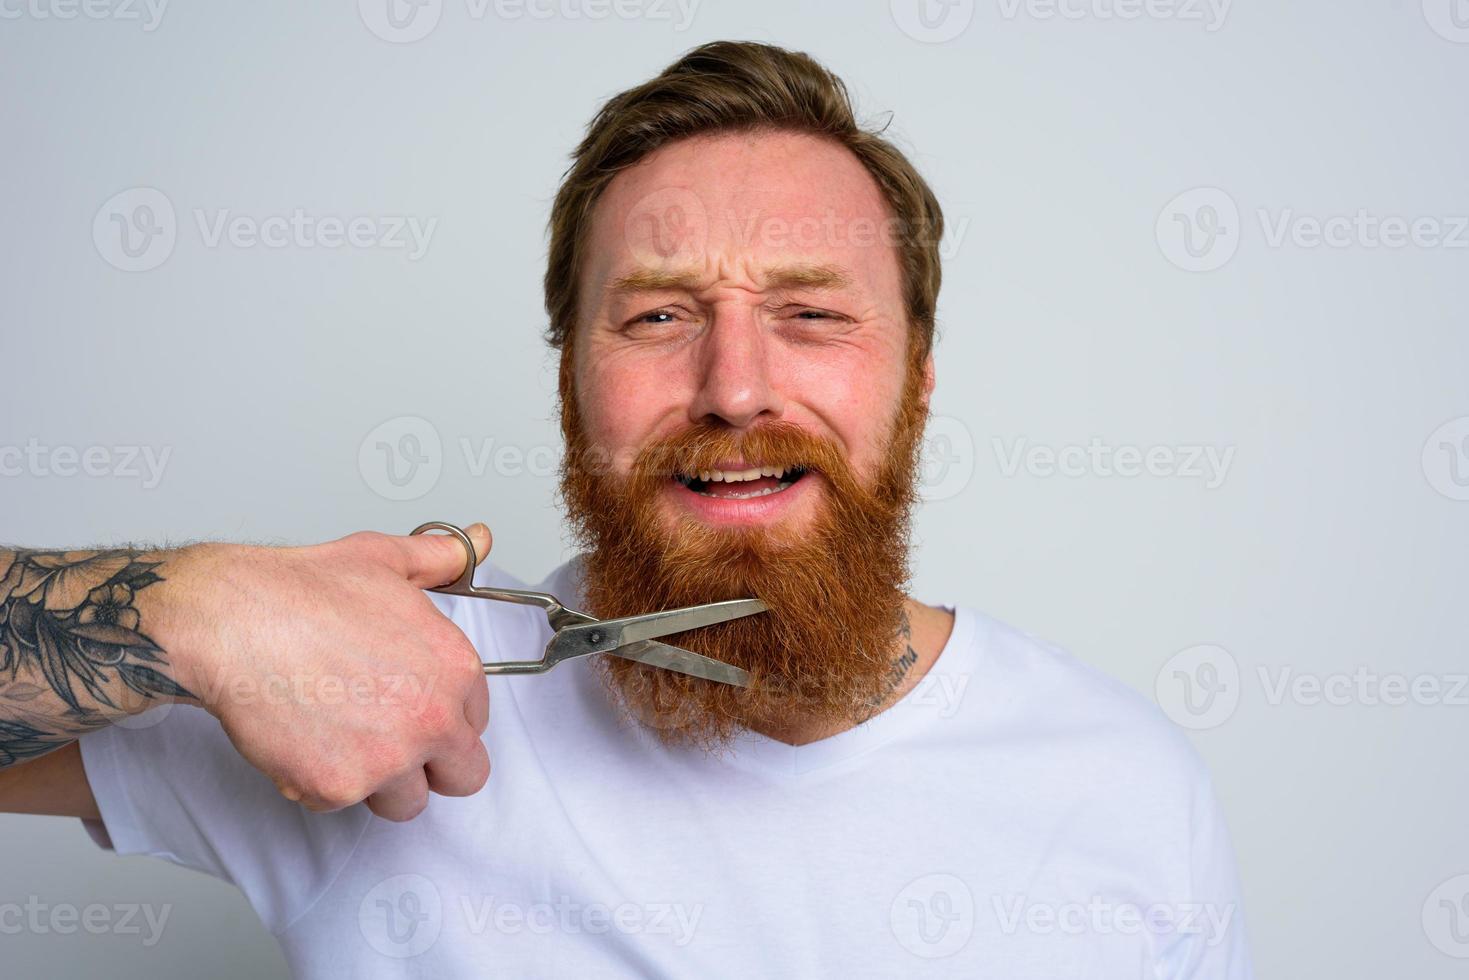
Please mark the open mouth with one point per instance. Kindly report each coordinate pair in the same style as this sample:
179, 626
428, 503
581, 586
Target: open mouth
742, 484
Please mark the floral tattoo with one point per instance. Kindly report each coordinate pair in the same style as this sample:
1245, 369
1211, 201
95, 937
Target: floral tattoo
71, 646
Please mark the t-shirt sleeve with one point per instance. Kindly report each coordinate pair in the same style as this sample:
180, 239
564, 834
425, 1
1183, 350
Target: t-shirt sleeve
170, 784
1210, 942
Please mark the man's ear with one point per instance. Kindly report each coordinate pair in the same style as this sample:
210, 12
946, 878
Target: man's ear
928, 378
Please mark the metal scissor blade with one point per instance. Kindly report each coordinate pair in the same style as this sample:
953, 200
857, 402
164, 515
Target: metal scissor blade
684, 661
608, 634
669, 621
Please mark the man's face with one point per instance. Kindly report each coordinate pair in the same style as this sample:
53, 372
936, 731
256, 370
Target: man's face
741, 312
736, 280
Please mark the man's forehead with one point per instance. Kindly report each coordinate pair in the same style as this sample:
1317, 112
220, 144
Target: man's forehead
797, 209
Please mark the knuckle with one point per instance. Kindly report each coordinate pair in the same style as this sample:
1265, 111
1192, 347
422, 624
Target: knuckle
364, 539
458, 655
442, 640
371, 545
380, 809
334, 794
472, 771
480, 774
469, 670
397, 808
322, 804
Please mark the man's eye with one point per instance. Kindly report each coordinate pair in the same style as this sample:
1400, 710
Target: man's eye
656, 317
810, 315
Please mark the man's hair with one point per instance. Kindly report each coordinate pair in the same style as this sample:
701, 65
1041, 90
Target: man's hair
734, 86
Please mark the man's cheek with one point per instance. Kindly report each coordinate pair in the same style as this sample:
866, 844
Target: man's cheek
602, 439
624, 460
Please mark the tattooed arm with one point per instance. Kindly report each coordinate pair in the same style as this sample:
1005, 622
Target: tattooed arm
73, 653
327, 666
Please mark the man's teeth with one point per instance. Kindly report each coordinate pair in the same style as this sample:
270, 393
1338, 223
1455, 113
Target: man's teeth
740, 476
783, 475
753, 493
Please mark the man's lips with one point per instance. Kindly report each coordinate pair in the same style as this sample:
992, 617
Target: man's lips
749, 498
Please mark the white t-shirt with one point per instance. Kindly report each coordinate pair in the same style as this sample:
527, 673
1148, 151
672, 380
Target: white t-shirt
1018, 815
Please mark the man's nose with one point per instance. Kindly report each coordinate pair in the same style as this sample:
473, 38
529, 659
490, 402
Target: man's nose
736, 386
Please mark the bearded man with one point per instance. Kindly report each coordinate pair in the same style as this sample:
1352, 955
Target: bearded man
742, 286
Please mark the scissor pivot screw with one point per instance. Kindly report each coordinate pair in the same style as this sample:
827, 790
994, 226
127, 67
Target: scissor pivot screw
594, 637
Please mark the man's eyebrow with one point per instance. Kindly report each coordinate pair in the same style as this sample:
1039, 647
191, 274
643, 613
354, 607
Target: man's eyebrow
781, 277
809, 276
654, 280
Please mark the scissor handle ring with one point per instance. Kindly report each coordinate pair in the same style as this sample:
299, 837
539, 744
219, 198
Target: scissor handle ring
465, 581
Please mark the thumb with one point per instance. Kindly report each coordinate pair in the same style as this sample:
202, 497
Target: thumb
438, 559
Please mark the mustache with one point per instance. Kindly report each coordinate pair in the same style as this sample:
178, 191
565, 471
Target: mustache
706, 446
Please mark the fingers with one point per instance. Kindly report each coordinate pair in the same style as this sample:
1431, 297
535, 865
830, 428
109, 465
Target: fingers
462, 772
403, 799
437, 559
477, 706
462, 768
479, 533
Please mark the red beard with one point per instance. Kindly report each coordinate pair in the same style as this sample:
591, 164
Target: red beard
823, 652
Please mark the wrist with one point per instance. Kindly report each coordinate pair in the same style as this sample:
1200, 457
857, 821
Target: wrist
179, 614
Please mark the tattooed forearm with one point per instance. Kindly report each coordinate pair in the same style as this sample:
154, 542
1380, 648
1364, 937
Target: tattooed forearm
73, 656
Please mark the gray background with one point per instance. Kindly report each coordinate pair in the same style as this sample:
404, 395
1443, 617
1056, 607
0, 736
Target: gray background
1073, 310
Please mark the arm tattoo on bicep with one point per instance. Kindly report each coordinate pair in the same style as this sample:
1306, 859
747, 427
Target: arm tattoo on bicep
73, 656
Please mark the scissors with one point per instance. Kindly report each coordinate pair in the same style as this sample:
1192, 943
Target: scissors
578, 635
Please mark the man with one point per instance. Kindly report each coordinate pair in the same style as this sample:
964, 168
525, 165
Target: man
742, 284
